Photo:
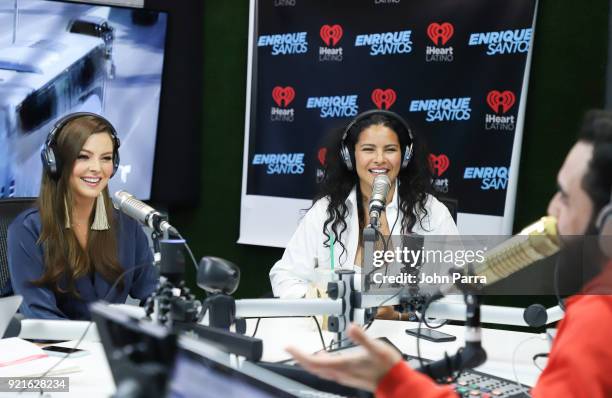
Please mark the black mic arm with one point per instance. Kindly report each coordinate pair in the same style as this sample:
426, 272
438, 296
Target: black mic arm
467, 357
375, 212
160, 223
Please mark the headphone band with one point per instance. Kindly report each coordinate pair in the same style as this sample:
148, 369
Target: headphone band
371, 112
345, 153
51, 160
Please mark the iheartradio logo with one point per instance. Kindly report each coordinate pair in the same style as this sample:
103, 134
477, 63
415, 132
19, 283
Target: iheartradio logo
500, 102
439, 164
383, 99
440, 33
283, 95
331, 34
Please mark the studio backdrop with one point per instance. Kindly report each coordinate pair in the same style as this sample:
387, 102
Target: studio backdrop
457, 70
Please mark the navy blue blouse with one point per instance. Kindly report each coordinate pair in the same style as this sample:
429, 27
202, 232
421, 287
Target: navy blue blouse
26, 263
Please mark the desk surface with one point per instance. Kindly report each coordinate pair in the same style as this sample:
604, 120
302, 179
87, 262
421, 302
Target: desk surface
500, 345
95, 379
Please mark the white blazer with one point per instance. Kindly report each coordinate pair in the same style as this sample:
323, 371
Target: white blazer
305, 252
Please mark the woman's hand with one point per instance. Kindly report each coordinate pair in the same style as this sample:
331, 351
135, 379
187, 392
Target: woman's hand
362, 369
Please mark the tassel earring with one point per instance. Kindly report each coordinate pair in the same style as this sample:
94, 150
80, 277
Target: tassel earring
67, 214
100, 222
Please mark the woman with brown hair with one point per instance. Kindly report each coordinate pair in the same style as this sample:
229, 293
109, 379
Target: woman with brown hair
73, 246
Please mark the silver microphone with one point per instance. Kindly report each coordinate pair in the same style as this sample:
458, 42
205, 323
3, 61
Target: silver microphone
378, 200
535, 242
143, 213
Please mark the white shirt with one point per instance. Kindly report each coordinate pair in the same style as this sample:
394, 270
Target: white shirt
307, 261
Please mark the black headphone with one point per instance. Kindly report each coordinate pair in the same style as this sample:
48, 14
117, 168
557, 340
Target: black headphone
604, 226
52, 163
347, 155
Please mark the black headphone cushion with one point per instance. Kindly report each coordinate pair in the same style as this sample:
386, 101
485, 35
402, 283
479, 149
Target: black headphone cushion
52, 163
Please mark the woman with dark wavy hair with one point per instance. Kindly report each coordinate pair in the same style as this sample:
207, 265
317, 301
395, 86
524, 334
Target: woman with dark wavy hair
331, 233
74, 248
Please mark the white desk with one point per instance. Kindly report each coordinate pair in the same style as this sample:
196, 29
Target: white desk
92, 381
95, 380
499, 344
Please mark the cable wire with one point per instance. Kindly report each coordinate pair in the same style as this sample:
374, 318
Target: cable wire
256, 326
195, 263
516, 379
423, 316
365, 327
535, 360
556, 285
320, 331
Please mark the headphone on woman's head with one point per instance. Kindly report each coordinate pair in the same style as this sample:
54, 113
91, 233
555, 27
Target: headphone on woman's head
347, 155
51, 161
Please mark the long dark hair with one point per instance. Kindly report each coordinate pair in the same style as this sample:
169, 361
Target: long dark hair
337, 183
65, 259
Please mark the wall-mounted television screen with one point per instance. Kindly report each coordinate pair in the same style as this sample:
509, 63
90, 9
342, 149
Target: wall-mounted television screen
59, 57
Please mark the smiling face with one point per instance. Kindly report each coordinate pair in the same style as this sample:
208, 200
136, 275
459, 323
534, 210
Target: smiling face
92, 168
377, 151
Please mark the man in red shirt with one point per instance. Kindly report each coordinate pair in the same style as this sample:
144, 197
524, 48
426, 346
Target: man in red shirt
580, 360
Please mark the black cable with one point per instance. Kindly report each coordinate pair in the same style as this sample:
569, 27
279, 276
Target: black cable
365, 327
313, 317
430, 300
535, 360
330, 347
377, 233
195, 263
418, 334
320, 331
386, 243
256, 326
444, 322
556, 285
380, 236
396, 216
422, 319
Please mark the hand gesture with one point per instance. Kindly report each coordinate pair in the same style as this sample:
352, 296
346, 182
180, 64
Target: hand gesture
362, 369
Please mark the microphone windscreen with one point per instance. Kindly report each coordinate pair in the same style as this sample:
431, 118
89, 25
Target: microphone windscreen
380, 187
537, 241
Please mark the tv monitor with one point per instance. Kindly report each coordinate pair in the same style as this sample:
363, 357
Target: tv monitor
59, 57
192, 369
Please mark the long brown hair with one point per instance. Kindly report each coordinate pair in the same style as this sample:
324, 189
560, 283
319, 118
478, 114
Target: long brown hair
65, 259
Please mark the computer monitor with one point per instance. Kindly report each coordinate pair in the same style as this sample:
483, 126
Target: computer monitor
8, 308
192, 371
139, 353
199, 364
146, 359
59, 57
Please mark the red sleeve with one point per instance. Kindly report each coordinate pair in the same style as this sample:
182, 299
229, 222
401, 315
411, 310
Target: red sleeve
402, 381
581, 357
